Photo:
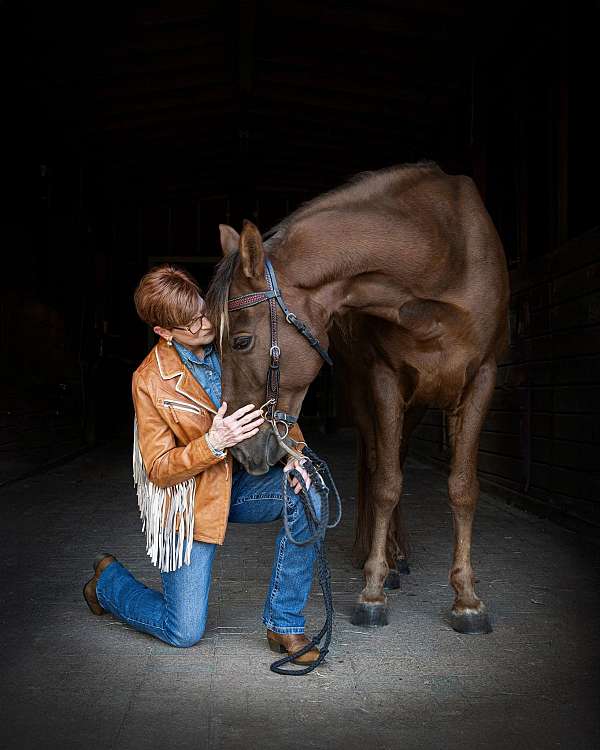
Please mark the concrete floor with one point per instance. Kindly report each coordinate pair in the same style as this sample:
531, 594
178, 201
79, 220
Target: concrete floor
73, 680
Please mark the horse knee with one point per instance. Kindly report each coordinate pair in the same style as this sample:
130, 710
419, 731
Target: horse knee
385, 503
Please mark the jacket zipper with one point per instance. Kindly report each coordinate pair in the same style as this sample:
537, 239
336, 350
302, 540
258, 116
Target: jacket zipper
181, 406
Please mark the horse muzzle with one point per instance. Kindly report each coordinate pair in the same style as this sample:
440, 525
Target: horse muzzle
259, 453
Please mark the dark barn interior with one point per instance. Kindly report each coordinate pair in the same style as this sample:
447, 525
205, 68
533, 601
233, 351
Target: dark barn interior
131, 132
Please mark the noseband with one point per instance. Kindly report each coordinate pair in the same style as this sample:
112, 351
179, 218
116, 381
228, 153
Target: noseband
273, 296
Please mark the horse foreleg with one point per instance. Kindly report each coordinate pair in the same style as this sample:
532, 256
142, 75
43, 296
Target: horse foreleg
386, 486
468, 612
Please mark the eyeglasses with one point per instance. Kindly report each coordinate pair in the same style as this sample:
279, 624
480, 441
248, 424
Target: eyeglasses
193, 331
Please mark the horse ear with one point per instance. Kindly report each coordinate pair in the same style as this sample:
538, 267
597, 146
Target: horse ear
230, 239
252, 252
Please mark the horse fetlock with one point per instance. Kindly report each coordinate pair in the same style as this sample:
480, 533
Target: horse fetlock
372, 598
462, 580
375, 571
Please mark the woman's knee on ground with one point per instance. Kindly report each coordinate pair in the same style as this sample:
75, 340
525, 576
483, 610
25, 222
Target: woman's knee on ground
185, 635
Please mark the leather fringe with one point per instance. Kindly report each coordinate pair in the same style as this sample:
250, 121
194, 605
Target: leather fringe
162, 546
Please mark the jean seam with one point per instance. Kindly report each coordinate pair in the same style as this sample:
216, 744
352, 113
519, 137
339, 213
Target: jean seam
278, 567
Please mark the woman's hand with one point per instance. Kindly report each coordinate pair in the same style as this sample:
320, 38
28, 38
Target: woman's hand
294, 463
231, 430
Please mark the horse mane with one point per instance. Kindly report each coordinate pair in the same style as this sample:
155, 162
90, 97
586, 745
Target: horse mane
357, 187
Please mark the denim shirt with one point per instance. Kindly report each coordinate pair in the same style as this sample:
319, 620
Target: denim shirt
206, 371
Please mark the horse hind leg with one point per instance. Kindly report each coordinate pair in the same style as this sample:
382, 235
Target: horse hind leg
468, 613
398, 548
363, 526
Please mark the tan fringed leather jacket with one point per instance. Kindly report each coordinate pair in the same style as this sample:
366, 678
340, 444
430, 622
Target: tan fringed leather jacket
181, 485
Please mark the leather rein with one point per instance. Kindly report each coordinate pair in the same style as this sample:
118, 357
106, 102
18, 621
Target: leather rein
273, 296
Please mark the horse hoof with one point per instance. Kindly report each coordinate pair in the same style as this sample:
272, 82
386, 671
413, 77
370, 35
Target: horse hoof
470, 623
392, 580
370, 615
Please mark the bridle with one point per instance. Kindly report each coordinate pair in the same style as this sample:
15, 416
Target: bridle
273, 296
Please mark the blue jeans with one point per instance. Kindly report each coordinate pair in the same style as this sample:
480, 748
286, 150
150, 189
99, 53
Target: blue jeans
178, 615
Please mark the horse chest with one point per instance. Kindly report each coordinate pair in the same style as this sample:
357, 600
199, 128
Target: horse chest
439, 378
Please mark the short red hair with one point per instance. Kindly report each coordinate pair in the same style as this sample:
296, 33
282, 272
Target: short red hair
167, 296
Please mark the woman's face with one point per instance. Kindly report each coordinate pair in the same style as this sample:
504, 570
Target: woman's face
199, 331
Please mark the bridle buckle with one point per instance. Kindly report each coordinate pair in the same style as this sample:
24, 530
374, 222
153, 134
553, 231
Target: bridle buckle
268, 405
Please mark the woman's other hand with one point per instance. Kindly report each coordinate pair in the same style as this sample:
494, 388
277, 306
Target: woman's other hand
241, 425
294, 463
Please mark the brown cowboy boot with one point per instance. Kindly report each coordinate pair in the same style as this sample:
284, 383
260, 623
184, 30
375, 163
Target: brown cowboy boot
101, 561
289, 644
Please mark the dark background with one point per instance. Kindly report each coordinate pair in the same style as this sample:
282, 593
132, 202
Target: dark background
131, 132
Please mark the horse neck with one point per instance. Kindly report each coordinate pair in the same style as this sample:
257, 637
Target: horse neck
334, 278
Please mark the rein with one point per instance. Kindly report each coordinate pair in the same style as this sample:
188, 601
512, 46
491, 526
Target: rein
318, 523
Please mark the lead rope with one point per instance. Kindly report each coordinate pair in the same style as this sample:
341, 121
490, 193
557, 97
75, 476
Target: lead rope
318, 527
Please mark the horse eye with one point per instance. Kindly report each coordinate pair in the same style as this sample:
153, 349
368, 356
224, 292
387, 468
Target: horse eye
241, 342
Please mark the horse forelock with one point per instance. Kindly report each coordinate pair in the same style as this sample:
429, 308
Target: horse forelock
217, 296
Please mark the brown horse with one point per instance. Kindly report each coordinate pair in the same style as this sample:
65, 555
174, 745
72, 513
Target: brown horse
403, 269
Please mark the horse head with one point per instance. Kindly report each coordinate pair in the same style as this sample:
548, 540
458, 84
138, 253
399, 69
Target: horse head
245, 341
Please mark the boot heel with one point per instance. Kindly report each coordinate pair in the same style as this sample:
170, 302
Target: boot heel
94, 606
277, 647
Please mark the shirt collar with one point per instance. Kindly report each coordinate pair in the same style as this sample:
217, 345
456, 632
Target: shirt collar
185, 353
